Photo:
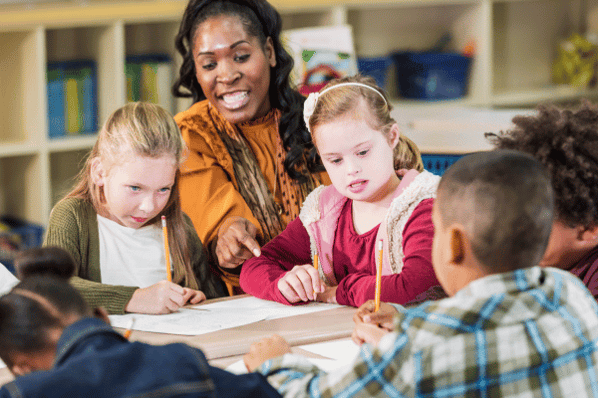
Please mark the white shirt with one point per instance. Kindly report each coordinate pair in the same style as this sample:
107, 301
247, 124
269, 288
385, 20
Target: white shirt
131, 257
7, 280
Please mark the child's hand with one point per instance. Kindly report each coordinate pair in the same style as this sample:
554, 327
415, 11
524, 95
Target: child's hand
193, 296
383, 317
236, 242
268, 348
368, 333
301, 283
161, 298
328, 295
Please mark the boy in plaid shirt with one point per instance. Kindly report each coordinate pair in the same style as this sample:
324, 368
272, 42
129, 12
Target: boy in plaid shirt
509, 328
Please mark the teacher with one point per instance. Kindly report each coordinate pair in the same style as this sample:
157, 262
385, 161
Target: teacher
251, 161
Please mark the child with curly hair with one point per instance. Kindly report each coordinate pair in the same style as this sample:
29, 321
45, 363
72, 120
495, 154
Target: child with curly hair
566, 143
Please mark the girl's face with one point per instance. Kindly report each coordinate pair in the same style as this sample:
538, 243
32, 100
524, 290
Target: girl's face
138, 189
233, 69
358, 159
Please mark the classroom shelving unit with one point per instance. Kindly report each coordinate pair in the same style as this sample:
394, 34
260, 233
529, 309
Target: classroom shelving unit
516, 42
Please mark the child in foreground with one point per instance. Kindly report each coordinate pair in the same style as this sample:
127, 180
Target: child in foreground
566, 143
359, 143
509, 328
110, 222
58, 347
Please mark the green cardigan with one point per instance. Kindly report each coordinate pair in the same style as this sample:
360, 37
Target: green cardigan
74, 227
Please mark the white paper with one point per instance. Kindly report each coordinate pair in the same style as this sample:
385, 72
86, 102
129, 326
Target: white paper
7, 280
339, 353
269, 309
342, 350
188, 321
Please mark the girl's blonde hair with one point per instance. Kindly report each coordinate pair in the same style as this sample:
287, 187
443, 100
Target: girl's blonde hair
142, 129
338, 102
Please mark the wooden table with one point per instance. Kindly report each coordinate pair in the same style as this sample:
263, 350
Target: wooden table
226, 346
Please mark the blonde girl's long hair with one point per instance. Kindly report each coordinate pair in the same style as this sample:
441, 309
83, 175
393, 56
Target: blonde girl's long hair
340, 101
142, 129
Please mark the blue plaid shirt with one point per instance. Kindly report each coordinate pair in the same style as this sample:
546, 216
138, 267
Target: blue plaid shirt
528, 333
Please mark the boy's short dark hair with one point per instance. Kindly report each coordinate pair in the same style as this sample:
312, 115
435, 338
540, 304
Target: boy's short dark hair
504, 200
566, 143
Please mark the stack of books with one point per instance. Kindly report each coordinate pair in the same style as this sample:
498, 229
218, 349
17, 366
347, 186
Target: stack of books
72, 98
150, 78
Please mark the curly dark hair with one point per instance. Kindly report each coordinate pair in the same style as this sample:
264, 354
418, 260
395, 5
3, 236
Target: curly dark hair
565, 141
260, 20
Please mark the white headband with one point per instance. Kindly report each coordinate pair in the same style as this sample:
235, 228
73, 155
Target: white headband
312, 99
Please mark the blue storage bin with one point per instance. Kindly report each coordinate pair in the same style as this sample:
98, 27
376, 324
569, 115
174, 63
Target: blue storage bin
431, 75
438, 164
376, 67
21, 235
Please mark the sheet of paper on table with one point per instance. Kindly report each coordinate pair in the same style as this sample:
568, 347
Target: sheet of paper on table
200, 319
338, 352
187, 321
270, 309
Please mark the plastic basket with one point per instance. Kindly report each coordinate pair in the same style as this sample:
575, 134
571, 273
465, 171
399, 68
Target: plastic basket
375, 67
438, 164
431, 76
21, 235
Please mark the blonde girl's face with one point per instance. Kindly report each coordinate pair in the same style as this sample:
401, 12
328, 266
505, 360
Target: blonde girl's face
136, 190
358, 159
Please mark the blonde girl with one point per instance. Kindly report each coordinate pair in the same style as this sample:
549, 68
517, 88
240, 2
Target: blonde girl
110, 221
360, 146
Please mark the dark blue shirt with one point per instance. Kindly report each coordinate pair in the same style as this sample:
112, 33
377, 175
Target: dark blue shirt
92, 360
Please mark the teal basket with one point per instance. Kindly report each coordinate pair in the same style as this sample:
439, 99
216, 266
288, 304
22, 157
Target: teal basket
438, 164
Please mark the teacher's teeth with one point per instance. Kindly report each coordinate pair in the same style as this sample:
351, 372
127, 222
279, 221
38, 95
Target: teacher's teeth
235, 97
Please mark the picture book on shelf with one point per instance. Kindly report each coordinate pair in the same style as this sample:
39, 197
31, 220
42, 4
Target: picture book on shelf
321, 54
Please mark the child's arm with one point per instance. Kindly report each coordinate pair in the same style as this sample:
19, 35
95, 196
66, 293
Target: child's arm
375, 372
260, 275
267, 348
417, 275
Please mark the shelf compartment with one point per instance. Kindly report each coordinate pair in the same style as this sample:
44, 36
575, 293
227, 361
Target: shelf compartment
525, 43
402, 28
64, 168
96, 43
21, 192
157, 38
22, 81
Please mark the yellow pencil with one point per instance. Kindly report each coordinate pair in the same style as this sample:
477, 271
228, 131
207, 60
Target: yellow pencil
129, 330
379, 274
316, 265
166, 249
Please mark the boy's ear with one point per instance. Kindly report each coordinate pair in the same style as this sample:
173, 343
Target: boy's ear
588, 236
21, 364
101, 313
394, 135
98, 172
457, 245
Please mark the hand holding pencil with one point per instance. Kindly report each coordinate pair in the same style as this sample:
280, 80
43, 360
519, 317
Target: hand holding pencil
165, 296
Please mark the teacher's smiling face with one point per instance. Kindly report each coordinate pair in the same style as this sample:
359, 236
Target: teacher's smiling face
233, 68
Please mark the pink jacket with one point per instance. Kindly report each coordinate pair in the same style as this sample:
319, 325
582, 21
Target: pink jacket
322, 208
